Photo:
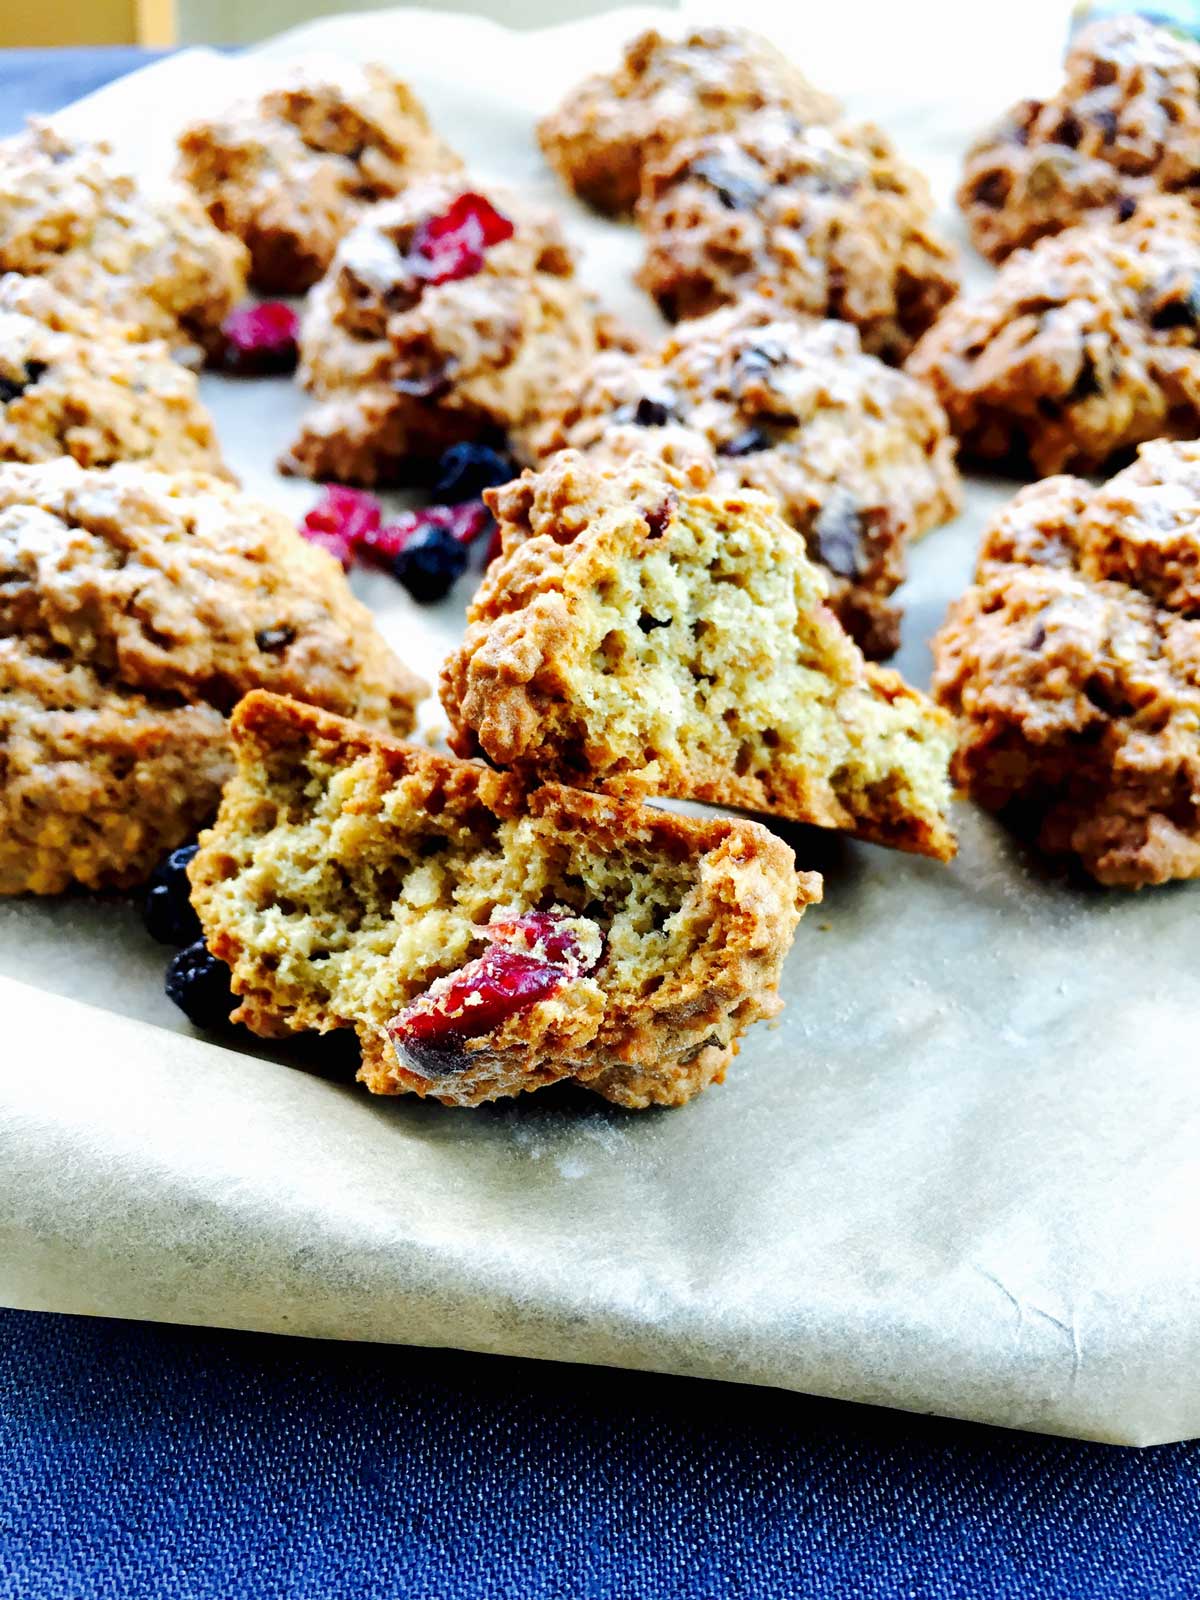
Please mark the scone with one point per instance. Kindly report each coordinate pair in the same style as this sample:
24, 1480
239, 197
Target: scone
447, 315
644, 636
153, 260
1125, 126
136, 609
1082, 347
1073, 665
610, 126
858, 455
481, 937
290, 171
828, 220
74, 383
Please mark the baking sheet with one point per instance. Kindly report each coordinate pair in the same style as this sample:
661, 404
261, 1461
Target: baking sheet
960, 1175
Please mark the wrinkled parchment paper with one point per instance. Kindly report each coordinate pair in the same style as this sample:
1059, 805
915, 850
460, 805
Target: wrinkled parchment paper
960, 1176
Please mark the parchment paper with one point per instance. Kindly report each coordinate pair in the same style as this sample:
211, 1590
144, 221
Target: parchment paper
960, 1176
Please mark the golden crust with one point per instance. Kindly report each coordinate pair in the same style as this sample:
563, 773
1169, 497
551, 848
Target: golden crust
347, 872
638, 633
1073, 665
137, 609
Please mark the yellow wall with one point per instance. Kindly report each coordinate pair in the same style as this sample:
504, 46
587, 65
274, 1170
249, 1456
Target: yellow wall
41, 22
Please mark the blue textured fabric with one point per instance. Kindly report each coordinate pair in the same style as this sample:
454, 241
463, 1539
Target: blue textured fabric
142, 1461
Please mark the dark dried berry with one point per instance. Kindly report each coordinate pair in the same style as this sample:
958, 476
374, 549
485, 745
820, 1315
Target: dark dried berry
14, 388
747, 443
651, 413
658, 518
167, 909
271, 640
737, 191
647, 623
1126, 206
199, 985
838, 533
1106, 121
991, 190
260, 340
1177, 305
466, 470
452, 245
430, 562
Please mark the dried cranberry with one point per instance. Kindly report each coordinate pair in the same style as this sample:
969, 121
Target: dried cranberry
342, 522
452, 245
463, 523
260, 340
544, 933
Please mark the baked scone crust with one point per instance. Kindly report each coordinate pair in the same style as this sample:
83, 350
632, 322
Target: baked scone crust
1073, 666
858, 455
290, 171
348, 872
1081, 348
73, 383
828, 220
609, 127
641, 635
1124, 127
151, 259
405, 368
137, 608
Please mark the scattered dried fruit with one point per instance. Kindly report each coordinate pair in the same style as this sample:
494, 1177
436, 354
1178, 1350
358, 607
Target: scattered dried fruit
452, 245
260, 340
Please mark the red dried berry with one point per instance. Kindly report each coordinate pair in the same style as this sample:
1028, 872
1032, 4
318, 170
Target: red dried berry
342, 522
260, 340
463, 523
452, 245
545, 934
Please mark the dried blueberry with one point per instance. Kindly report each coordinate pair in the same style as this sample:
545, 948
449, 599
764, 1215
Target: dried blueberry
1126, 206
466, 470
271, 640
199, 985
651, 413
737, 191
430, 562
13, 388
746, 443
167, 909
838, 531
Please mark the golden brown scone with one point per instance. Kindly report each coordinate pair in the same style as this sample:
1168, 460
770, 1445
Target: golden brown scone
408, 357
73, 383
150, 259
1073, 665
481, 937
290, 171
609, 127
1124, 127
859, 456
827, 220
1081, 348
642, 635
136, 609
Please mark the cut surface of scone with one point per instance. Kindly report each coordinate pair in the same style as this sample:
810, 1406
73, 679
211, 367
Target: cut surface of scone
828, 220
1125, 126
640, 634
291, 170
858, 455
1073, 665
606, 130
136, 609
149, 258
484, 938
1082, 347
448, 314
74, 383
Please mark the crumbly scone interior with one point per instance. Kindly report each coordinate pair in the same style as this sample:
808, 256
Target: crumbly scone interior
341, 880
700, 661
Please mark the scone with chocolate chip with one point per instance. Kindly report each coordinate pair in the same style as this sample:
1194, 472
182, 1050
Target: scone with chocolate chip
447, 315
641, 635
1073, 666
1125, 126
151, 259
290, 171
1082, 347
137, 608
485, 938
74, 383
828, 220
608, 129
858, 455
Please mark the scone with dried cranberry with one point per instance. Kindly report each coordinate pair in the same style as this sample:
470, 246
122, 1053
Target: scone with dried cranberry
290, 171
75, 383
609, 127
1081, 348
152, 259
482, 937
137, 608
858, 455
446, 316
1125, 126
642, 635
828, 220
1073, 666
